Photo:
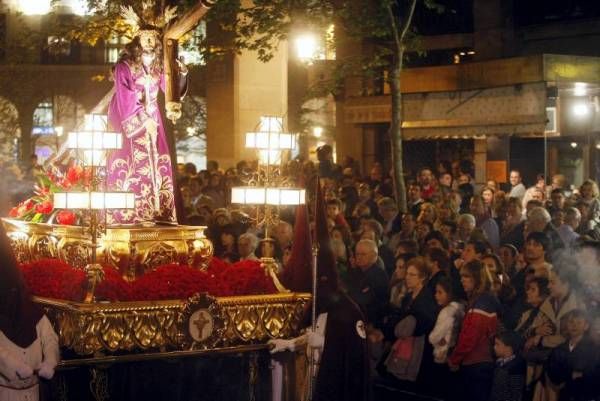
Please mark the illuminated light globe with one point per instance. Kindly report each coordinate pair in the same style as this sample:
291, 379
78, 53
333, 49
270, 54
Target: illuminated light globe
270, 196
94, 200
270, 140
94, 140
286, 196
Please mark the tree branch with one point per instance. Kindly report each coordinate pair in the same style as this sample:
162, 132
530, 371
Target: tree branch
399, 33
408, 19
397, 39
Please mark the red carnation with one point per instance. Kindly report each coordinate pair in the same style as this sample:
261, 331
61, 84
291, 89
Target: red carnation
65, 217
74, 174
28, 204
45, 207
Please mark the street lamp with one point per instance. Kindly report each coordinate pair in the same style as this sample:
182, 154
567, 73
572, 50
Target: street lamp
581, 109
306, 47
35, 7
580, 89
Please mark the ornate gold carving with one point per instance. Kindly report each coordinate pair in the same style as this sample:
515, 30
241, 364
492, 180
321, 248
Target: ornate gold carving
19, 242
201, 322
42, 246
132, 250
94, 329
158, 254
95, 274
74, 251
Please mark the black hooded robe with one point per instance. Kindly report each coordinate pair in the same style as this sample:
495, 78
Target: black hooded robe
344, 367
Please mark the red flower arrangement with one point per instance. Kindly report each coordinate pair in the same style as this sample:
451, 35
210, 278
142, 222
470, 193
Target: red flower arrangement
52, 278
113, 288
39, 207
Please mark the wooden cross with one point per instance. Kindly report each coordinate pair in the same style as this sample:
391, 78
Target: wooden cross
170, 45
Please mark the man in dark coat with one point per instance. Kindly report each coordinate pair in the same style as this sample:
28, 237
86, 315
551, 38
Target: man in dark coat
368, 282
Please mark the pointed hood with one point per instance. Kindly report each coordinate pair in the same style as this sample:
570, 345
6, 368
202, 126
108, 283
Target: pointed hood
297, 273
327, 277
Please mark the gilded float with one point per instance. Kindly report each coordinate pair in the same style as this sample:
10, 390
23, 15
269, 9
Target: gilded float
157, 326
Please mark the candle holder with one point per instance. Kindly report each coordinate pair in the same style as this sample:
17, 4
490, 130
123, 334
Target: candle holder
267, 188
92, 145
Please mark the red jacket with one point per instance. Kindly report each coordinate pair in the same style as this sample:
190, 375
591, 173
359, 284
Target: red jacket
475, 341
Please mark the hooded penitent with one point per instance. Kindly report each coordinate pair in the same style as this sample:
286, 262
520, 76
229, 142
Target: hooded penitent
297, 273
344, 367
18, 314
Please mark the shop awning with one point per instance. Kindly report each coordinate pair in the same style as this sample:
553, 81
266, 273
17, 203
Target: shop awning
509, 110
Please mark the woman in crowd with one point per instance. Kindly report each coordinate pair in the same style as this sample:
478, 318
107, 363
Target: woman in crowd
533, 319
227, 246
589, 197
428, 213
343, 234
503, 290
398, 289
562, 300
420, 305
473, 353
533, 323
487, 194
216, 190
508, 255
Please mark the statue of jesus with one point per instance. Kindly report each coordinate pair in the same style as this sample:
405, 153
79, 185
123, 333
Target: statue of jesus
143, 165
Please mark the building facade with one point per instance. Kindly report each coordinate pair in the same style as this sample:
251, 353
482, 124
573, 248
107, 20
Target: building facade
507, 85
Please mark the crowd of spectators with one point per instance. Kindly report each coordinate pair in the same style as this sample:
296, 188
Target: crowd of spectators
493, 288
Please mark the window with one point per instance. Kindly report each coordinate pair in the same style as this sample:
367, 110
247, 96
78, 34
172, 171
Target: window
43, 119
113, 49
327, 49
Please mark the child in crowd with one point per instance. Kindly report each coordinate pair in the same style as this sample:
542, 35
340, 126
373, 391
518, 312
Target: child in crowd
509, 374
574, 365
445, 333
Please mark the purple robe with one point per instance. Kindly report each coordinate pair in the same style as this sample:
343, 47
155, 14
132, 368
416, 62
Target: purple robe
143, 164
